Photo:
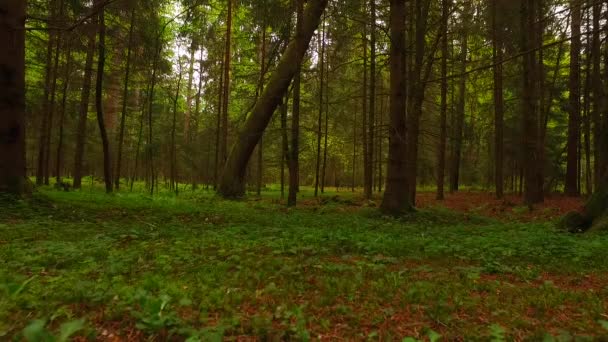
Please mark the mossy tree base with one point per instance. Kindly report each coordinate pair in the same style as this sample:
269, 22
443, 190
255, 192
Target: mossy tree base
593, 218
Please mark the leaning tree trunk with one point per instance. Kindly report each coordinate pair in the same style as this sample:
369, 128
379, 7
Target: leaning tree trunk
232, 182
12, 97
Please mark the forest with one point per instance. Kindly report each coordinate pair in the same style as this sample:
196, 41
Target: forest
296, 170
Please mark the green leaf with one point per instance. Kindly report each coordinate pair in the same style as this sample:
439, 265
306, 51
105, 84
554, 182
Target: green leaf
70, 328
433, 336
36, 332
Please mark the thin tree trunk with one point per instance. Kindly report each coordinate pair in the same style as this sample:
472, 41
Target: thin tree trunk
260, 89
46, 103
12, 97
323, 172
188, 116
321, 38
125, 100
459, 122
173, 170
226, 90
85, 95
66, 82
53, 92
218, 128
372, 104
498, 103
107, 162
396, 199
367, 183
232, 184
574, 121
139, 139
284, 144
599, 103
446, 4
294, 159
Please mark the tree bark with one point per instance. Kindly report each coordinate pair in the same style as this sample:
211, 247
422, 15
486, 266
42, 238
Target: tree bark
226, 90
107, 161
533, 185
85, 95
321, 44
599, 103
460, 117
125, 96
12, 97
294, 159
574, 122
497, 55
66, 83
396, 200
445, 17
232, 183
369, 172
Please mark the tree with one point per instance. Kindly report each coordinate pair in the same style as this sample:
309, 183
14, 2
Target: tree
12, 97
371, 112
321, 50
574, 122
232, 182
445, 17
533, 182
101, 60
294, 157
497, 55
85, 94
125, 95
226, 85
460, 117
396, 200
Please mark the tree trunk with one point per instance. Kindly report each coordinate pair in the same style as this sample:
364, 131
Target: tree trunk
444, 100
12, 97
85, 95
226, 90
66, 83
326, 133
396, 199
173, 170
498, 103
369, 172
574, 122
321, 38
284, 144
260, 172
125, 96
459, 120
107, 162
51, 107
232, 183
367, 178
532, 187
294, 159
46, 105
599, 103
418, 78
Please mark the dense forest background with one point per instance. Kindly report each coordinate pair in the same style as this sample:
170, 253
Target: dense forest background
505, 96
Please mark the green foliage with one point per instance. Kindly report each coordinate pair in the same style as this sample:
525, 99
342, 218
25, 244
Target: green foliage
200, 268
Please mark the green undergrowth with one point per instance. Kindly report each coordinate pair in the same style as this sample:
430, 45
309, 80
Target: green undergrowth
199, 268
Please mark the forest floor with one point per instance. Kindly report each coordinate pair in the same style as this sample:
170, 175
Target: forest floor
129, 267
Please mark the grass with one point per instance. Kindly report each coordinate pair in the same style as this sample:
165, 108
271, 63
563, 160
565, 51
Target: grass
85, 265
